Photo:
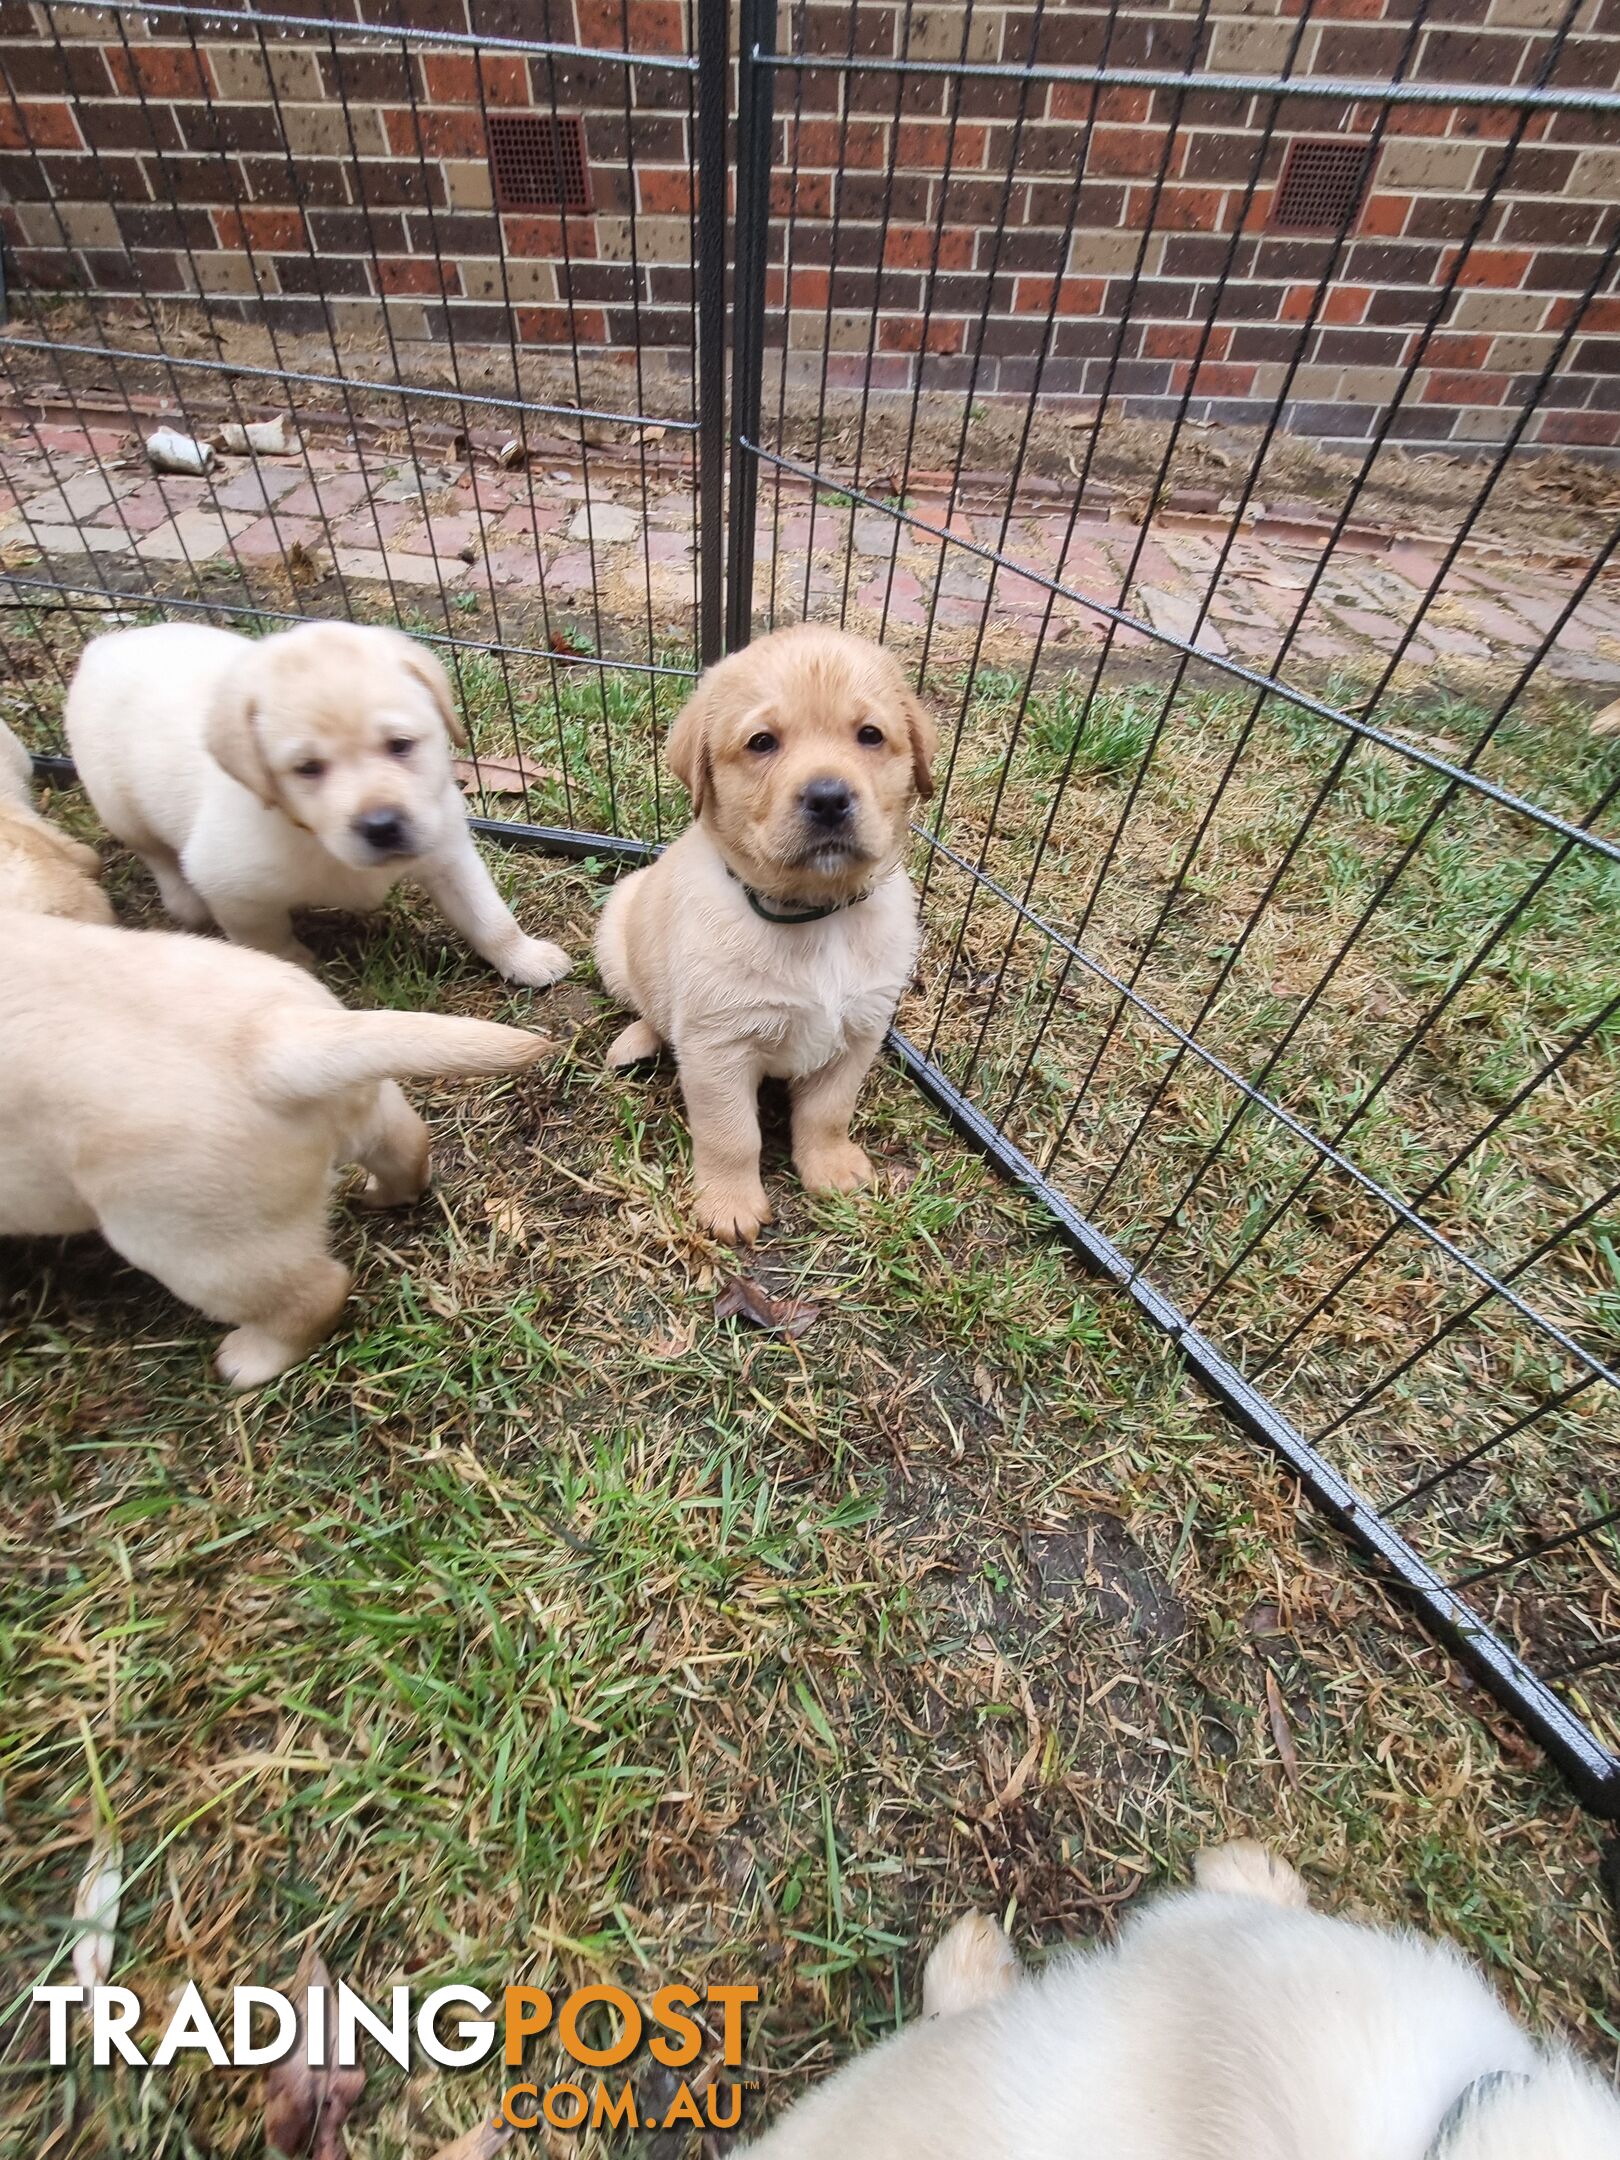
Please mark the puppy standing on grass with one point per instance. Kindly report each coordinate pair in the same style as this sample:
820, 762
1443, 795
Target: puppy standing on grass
774, 938
190, 1101
43, 871
307, 769
1230, 2023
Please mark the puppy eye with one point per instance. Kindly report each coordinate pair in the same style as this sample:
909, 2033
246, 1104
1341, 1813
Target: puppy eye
400, 746
762, 744
869, 735
311, 769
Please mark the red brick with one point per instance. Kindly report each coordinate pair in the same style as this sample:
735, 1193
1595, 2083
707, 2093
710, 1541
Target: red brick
809, 195
826, 142
543, 237
33, 125
1455, 349
1188, 209
1470, 388
810, 286
1170, 341
1384, 216
923, 143
1580, 427
1224, 378
898, 333
439, 131
1081, 296
451, 79
1133, 151
162, 71
275, 229
911, 247
560, 326
1032, 295
1602, 314
1494, 266
656, 26
1344, 303
416, 274
665, 189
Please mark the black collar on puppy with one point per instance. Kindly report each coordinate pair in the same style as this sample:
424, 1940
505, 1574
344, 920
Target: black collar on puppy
781, 911
1471, 2097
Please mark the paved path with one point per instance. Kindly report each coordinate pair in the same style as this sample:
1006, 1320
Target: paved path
606, 559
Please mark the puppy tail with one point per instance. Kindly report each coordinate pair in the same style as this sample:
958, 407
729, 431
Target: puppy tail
328, 1052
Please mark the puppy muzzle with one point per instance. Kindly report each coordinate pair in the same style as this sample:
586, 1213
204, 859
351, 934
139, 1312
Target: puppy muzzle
384, 833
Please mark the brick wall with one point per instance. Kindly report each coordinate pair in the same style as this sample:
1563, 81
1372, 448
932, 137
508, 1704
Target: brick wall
1005, 229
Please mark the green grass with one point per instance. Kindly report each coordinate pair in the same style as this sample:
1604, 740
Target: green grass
541, 1627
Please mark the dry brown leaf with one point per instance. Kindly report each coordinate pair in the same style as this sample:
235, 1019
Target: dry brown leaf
1281, 1731
306, 2104
1607, 722
741, 1298
302, 567
477, 2143
95, 1908
498, 775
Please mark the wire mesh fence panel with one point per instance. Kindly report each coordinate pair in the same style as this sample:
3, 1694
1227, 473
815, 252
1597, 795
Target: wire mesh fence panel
1270, 883
460, 267
1188, 396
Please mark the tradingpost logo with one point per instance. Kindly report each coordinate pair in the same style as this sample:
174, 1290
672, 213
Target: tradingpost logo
456, 2027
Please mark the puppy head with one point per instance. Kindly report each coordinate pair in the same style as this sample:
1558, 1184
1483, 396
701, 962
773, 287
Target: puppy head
347, 731
802, 755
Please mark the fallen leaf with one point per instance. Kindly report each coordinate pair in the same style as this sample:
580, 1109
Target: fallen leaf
305, 2103
477, 2143
653, 434
301, 565
95, 1908
741, 1298
1277, 1711
568, 645
498, 776
1607, 722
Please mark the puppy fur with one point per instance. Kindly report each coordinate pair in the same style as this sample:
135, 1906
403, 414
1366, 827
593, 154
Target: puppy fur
1230, 2023
307, 769
190, 1101
42, 871
802, 755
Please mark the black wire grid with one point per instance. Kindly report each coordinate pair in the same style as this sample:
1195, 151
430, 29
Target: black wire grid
1029, 1000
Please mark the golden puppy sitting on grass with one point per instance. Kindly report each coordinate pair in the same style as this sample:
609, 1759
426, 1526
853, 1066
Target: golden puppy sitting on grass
307, 769
190, 1101
774, 938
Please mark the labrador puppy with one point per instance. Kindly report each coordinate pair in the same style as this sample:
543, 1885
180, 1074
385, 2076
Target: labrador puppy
190, 1101
774, 937
307, 769
1229, 2023
42, 871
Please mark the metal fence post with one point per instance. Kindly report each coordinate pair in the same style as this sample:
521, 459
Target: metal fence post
713, 98
755, 84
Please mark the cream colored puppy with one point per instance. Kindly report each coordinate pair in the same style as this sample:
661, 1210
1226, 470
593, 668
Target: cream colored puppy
42, 871
307, 769
190, 1101
774, 938
1230, 2023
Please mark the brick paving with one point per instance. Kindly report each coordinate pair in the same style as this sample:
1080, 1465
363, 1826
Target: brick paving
604, 556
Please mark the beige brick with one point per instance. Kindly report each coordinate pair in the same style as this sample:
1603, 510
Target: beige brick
936, 34
1418, 162
613, 239
1370, 385
1253, 47
467, 184
78, 22
1521, 355
524, 280
1596, 176
63, 539
85, 224
196, 535
1525, 14
1315, 382
240, 73
1488, 310
400, 568
1485, 424
847, 332
1107, 254
321, 131
221, 271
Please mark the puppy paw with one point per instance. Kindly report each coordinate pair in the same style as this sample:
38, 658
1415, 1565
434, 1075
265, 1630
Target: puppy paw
638, 1042
250, 1356
1244, 1868
535, 964
833, 1166
973, 1964
736, 1214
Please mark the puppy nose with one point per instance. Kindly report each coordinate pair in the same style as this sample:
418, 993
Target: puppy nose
384, 830
827, 802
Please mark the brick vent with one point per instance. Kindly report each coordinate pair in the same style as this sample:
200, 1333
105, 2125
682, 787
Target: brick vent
1322, 184
539, 161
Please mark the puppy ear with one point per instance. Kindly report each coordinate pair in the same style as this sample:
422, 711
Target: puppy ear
686, 748
924, 742
231, 738
417, 660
